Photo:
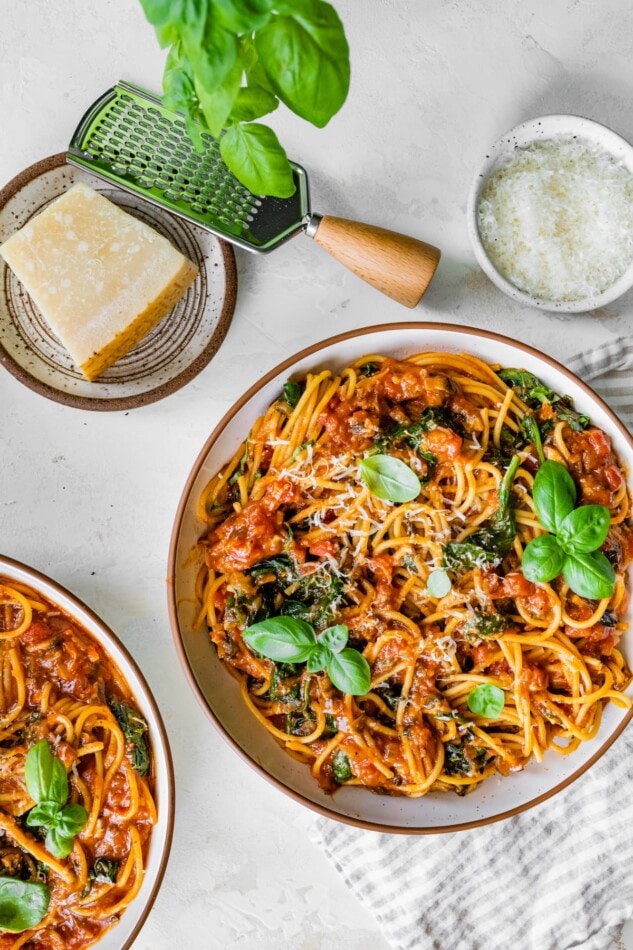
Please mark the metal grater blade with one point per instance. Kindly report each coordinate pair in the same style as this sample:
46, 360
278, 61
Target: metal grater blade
128, 138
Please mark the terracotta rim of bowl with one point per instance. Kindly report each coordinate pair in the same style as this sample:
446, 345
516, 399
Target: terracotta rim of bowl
40, 578
136, 400
467, 332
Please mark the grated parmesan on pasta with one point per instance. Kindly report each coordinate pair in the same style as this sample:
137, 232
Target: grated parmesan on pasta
556, 219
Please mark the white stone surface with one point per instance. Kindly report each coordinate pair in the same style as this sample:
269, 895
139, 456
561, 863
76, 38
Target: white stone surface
89, 498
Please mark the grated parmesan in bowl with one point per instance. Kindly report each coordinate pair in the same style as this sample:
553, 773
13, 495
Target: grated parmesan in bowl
551, 215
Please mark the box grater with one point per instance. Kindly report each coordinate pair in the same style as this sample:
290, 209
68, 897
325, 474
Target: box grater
130, 139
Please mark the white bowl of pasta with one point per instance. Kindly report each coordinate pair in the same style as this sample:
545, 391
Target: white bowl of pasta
87, 805
395, 571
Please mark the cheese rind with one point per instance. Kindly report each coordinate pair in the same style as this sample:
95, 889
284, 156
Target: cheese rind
101, 278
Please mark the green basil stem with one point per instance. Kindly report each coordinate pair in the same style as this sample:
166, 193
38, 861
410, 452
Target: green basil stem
506, 484
532, 431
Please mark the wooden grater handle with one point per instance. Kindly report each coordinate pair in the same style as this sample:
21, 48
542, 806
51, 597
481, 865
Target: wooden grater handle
397, 265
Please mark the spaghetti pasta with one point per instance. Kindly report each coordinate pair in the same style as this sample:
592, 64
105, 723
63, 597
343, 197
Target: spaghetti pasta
58, 684
292, 528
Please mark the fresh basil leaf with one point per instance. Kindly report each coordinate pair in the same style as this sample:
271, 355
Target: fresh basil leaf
283, 639
350, 672
253, 153
166, 35
251, 102
44, 814
341, 767
554, 494
255, 73
543, 559
306, 57
334, 638
46, 779
462, 556
590, 575
160, 12
180, 94
584, 529
318, 658
438, 584
71, 820
390, 478
217, 104
212, 53
486, 700
59, 844
292, 392
23, 904
243, 16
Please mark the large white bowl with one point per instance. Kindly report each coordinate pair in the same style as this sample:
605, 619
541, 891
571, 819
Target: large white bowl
218, 691
122, 936
538, 130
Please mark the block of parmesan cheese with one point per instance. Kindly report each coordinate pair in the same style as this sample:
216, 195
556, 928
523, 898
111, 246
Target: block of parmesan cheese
101, 278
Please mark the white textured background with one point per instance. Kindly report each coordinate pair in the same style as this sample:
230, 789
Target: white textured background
89, 498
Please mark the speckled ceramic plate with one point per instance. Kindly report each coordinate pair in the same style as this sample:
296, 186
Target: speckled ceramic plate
169, 357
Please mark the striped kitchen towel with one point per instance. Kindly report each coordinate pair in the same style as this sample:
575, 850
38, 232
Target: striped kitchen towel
557, 877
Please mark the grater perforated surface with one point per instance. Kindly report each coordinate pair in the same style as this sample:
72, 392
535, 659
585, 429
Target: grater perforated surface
129, 138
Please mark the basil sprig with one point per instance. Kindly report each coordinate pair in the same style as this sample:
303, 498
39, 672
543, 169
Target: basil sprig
486, 700
390, 478
231, 62
288, 640
23, 904
571, 547
47, 784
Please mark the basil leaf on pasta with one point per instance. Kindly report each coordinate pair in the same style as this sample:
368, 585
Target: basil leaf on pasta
23, 904
543, 559
46, 779
58, 843
486, 700
42, 815
318, 658
584, 529
281, 639
292, 393
350, 672
590, 575
335, 638
390, 478
71, 819
554, 494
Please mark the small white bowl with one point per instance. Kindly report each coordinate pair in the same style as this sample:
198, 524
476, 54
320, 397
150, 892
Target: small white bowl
535, 130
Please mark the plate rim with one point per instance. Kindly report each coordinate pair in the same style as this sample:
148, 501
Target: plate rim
39, 577
101, 403
171, 576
